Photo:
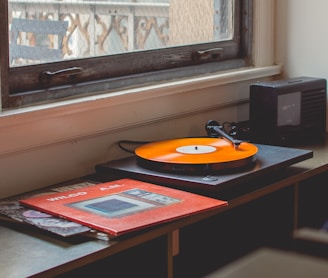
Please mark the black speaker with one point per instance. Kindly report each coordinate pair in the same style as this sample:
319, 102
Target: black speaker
288, 112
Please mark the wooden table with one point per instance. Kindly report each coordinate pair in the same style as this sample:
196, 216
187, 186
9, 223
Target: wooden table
26, 251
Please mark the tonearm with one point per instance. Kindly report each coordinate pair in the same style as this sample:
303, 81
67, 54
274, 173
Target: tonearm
214, 129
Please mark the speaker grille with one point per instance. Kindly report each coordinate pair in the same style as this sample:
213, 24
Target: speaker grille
313, 108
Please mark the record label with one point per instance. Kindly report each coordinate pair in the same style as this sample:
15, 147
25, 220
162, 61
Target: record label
195, 149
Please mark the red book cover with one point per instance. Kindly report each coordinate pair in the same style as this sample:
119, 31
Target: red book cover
122, 206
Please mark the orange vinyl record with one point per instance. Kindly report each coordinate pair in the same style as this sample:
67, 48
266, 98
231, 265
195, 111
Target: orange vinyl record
193, 154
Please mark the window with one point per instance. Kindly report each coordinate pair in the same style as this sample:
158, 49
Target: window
115, 44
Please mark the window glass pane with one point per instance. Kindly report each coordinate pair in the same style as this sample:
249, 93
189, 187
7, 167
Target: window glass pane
103, 27
70, 48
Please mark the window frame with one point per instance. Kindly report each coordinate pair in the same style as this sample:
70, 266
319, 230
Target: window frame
236, 54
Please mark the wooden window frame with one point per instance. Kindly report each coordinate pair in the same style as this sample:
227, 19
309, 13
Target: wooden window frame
18, 84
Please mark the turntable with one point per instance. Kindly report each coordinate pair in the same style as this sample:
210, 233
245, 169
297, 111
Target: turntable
204, 165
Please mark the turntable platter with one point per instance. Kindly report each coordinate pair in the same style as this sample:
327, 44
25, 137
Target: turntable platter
195, 154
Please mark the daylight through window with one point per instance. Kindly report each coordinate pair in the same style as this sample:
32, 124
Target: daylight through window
68, 48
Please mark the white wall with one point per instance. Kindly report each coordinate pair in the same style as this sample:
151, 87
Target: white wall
302, 37
42, 148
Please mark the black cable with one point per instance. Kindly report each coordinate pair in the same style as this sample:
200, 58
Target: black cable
122, 142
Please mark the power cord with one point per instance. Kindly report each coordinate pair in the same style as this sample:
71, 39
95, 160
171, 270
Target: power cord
128, 142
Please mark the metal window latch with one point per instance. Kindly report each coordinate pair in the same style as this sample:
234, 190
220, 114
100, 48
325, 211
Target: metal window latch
212, 53
68, 73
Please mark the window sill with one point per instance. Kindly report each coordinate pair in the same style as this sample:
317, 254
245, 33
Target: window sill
140, 93
74, 119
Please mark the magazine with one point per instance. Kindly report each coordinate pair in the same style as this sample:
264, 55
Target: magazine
12, 209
